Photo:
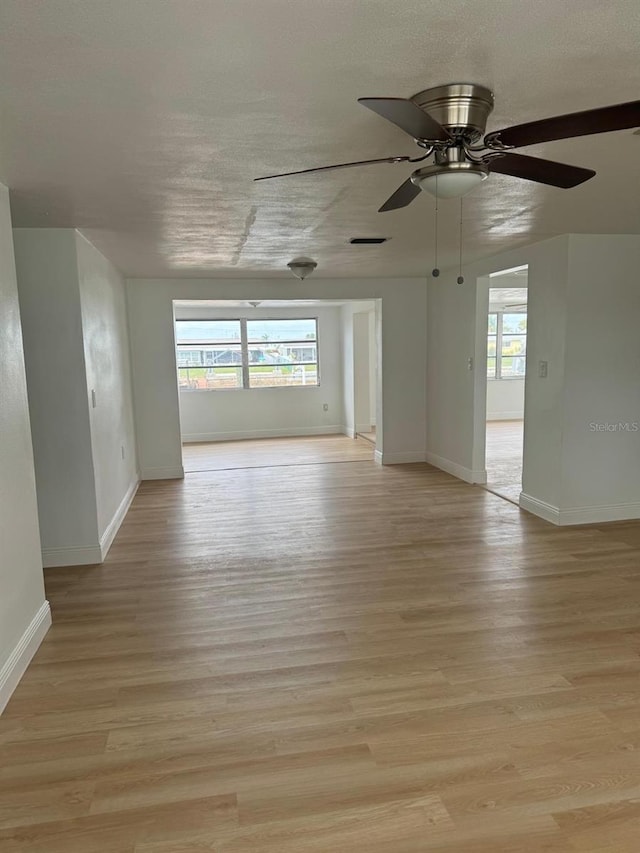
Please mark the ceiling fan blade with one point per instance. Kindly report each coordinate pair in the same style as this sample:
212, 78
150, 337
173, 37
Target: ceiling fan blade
541, 171
338, 166
408, 116
602, 120
403, 196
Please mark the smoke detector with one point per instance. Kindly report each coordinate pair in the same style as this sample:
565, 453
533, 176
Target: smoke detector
302, 267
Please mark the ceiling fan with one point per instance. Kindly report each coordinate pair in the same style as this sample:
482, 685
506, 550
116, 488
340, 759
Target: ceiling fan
449, 122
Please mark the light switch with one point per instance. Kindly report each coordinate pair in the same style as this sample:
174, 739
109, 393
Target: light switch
542, 369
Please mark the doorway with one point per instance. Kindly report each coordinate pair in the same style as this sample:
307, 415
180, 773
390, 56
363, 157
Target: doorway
364, 375
274, 382
505, 392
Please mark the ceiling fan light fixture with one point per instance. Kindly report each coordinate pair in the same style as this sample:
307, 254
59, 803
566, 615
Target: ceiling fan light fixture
452, 180
302, 267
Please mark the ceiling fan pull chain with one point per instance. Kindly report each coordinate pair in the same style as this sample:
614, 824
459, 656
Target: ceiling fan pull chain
460, 279
435, 272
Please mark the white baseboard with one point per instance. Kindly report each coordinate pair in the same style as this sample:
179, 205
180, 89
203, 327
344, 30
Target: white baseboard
377, 457
363, 427
106, 540
20, 658
459, 471
599, 514
174, 473
331, 429
348, 431
540, 508
75, 555
505, 416
580, 514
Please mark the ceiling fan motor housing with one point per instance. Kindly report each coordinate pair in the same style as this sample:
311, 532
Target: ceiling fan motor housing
462, 108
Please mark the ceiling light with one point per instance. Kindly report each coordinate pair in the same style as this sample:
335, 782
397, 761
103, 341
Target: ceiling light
302, 267
450, 180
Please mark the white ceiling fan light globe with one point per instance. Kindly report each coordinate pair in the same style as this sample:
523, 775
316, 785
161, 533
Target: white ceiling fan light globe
452, 181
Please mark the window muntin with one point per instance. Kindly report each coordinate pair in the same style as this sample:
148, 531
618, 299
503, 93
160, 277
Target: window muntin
506, 336
262, 353
492, 343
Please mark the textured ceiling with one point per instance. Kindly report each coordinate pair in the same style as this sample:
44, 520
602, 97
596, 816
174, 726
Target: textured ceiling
142, 122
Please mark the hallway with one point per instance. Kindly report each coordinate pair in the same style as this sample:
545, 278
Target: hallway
504, 458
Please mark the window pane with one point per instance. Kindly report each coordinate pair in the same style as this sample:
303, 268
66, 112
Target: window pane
277, 353
491, 368
277, 375
491, 345
207, 331
281, 330
204, 378
514, 323
513, 366
493, 324
514, 344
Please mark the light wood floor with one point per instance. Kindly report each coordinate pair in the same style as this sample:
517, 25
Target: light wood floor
333, 659
265, 452
504, 458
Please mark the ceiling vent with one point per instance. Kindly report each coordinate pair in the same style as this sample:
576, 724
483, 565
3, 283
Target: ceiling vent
367, 241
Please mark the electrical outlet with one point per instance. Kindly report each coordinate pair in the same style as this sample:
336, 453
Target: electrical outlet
325, 407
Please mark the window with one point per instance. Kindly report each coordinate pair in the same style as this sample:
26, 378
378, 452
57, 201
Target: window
506, 345
209, 354
282, 352
214, 354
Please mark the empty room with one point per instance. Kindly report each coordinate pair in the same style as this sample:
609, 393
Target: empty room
319, 426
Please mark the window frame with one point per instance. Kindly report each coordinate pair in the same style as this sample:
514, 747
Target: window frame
499, 334
244, 350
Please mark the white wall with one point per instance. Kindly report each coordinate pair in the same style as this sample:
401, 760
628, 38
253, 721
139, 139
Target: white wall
75, 334
46, 265
400, 326
348, 377
108, 372
451, 319
601, 460
373, 368
359, 374
505, 399
361, 371
261, 412
24, 613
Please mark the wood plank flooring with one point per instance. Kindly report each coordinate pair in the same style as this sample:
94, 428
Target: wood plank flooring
504, 458
262, 453
336, 658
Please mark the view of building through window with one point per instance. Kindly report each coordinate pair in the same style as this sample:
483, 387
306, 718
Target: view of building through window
506, 345
213, 354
